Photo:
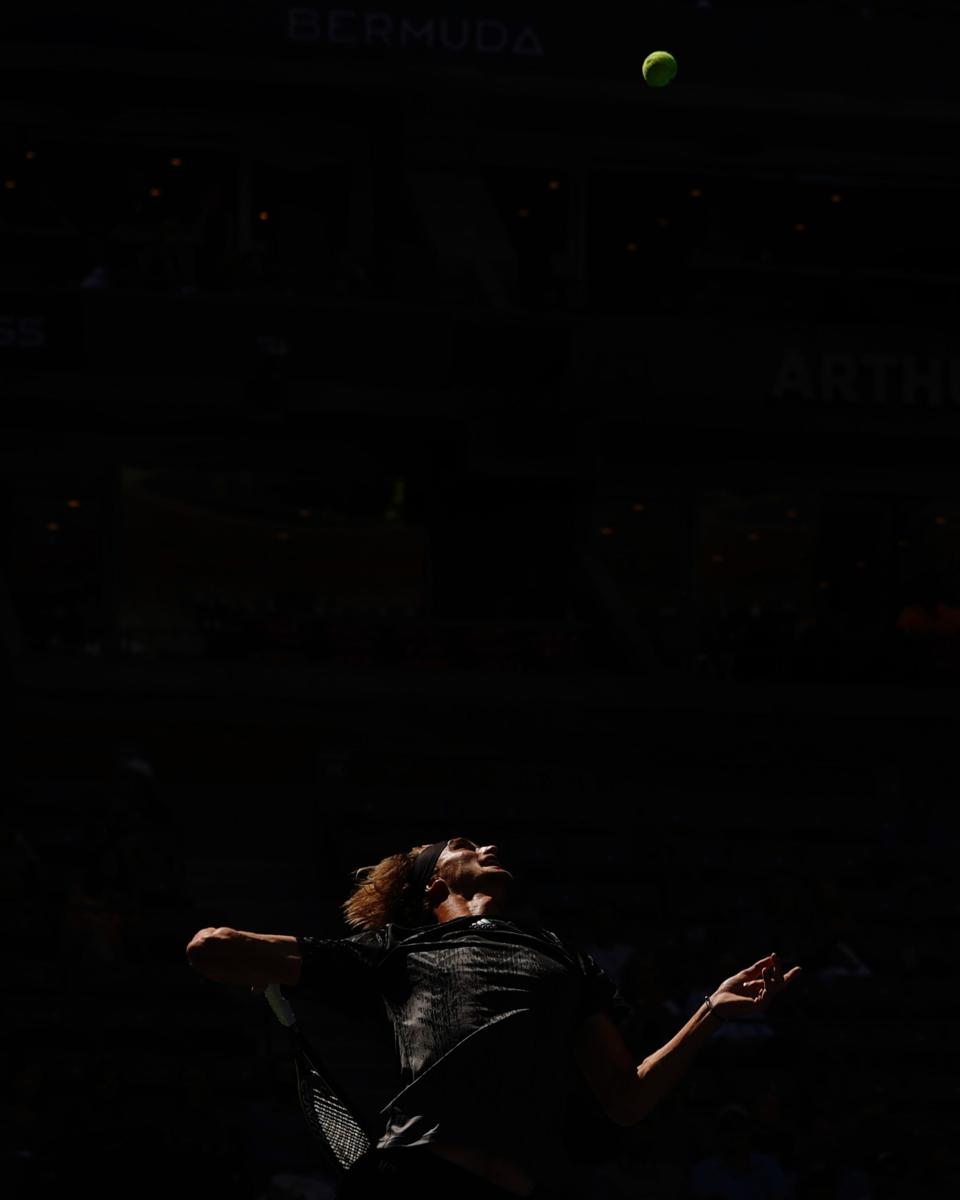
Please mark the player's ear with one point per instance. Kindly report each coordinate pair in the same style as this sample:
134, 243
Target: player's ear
436, 890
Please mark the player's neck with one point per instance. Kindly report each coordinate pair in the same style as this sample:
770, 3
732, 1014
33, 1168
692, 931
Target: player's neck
477, 905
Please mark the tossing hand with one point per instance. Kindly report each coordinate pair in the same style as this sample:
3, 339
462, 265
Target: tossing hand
751, 990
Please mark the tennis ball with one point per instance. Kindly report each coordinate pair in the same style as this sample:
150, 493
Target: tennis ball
659, 68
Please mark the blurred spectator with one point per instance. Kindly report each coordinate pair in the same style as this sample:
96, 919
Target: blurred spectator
774, 1126
95, 911
121, 889
99, 276
844, 964
352, 275
145, 833
97, 270
759, 641
829, 1166
627, 1176
933, 609
168, 261
214, 232
21, 909
737, 1171
24, 1077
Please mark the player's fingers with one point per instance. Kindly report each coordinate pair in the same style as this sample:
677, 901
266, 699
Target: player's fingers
776, 983
756, 970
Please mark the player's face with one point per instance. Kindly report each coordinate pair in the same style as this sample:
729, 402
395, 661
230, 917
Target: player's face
467, 867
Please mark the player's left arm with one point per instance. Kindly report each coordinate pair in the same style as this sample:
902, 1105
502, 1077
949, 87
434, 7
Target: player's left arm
628, 1091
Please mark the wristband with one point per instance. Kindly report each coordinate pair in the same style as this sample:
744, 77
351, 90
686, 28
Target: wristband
711, 1008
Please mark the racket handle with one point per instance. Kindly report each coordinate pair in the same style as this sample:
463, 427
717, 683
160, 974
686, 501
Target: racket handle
281, 1008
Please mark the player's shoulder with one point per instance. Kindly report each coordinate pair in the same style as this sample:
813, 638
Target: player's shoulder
466, 928
551, 935
568, 945
361, 947
533, 932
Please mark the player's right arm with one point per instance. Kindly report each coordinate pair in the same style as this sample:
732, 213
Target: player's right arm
236, 956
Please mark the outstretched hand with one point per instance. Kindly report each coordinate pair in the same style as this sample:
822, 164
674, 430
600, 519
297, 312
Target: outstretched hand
752, 990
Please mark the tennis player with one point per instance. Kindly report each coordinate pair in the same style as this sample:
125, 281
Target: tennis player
492, 1017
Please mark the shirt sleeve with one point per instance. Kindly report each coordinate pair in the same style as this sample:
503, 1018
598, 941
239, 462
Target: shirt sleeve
600, 993
339, 971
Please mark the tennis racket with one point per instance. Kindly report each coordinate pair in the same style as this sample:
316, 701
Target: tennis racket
329, 1117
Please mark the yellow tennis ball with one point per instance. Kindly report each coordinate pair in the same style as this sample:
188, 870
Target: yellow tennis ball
659, 68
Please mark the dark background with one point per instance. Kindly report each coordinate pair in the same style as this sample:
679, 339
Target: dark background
413, 424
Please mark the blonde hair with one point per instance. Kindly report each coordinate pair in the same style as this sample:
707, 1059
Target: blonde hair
384, 894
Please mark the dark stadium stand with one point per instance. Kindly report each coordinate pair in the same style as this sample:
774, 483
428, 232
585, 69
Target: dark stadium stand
411, 419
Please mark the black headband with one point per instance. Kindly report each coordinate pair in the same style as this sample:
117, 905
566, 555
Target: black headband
424, 865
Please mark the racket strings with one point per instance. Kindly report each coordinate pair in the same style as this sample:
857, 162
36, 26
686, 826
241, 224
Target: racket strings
330, 1119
